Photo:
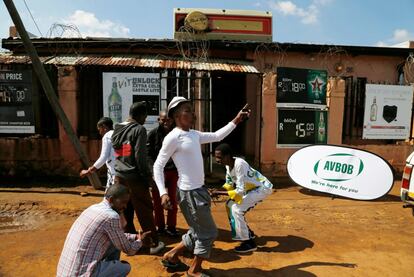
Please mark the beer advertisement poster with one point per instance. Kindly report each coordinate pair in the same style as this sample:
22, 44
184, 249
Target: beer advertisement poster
298, 88
297, 127
120, 90
16, 115
387, 113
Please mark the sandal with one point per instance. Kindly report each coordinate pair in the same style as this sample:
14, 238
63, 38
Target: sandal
168, 264
202, 275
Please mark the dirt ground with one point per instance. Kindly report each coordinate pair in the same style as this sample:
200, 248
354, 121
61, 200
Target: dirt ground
300, 233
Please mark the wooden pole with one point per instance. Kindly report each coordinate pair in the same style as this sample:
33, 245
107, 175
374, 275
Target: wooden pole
49, 91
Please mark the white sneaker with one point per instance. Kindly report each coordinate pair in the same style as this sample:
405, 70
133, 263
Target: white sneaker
158, 248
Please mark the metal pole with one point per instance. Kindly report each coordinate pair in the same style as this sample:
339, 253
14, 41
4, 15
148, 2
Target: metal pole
210, 112
49, 91
189, 86
177, 83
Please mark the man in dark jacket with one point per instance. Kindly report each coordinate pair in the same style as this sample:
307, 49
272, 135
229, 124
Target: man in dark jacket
131, 169
154, 143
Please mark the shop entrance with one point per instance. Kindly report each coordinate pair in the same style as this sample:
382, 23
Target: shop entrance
216, 98
229, 96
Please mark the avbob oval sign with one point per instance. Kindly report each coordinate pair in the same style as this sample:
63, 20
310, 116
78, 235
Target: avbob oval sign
343, 171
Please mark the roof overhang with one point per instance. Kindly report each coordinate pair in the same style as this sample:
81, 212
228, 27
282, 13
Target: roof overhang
109, 45
138, 61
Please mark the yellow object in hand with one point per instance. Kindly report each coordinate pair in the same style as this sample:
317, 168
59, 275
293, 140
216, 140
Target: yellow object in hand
235, 196
227, 186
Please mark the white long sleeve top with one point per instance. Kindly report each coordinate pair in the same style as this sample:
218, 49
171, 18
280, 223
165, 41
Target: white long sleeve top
245, 178
107, 154
184, 148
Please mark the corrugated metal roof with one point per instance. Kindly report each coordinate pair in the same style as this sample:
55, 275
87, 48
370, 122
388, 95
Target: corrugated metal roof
141, 61
11, 59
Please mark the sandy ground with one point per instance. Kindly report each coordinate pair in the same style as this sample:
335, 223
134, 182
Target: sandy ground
300, 233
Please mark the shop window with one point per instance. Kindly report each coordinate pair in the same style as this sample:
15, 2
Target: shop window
353, 120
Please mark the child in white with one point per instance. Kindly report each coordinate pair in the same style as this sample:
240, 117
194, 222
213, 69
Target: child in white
246, 187
107, 156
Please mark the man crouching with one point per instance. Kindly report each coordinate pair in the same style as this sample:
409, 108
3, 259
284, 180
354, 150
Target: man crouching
96, 239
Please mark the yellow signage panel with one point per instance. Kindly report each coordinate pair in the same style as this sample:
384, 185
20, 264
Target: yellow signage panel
237, 25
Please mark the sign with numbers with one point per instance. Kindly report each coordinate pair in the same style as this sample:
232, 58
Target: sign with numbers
16, 110
297, 128
297, 87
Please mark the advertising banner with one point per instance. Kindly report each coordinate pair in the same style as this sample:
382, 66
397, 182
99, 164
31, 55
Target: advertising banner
342, 171
298, 128
298, 87
387, 112
120, 90
16, 110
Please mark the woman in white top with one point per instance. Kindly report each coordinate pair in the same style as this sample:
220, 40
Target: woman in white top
183, 145
107, 156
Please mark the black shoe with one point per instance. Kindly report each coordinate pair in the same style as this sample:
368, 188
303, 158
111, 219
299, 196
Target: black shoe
161, 232
173, 233
252, 235
246, 246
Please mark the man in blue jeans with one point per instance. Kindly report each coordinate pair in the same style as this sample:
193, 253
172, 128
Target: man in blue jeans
96, 239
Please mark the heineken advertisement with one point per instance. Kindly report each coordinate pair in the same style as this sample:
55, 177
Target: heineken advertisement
16, 116
298, 87
120, 90
342, 171
298, 128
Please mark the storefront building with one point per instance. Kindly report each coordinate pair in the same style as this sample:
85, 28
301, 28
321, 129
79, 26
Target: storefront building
232, 73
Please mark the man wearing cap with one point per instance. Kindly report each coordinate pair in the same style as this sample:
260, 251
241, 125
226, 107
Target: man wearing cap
183, 145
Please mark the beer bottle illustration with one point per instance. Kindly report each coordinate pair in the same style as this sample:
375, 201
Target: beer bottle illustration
374, 109
115, 103
316, 86
321, 129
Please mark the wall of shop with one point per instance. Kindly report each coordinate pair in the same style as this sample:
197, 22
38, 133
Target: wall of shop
376, 69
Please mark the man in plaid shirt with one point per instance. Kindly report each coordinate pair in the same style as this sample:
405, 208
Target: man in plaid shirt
94, 242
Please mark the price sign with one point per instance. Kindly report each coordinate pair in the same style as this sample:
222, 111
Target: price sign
16, 110
298, 88
297, 128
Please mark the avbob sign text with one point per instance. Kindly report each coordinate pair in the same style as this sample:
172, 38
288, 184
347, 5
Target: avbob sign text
342, 171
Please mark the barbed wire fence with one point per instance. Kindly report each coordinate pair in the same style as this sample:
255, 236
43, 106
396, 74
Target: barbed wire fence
66, 32
193, 45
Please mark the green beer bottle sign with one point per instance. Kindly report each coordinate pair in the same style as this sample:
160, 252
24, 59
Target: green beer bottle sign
321, 135
316, 83
115, 103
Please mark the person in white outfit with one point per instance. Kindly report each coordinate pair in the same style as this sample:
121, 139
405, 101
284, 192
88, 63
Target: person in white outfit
246, 187
183, 145
107, 156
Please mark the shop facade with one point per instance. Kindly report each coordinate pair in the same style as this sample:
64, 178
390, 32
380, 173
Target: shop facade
234, 73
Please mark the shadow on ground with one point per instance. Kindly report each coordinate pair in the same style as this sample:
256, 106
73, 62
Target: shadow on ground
291, 270
94, 194
284, 244
385, 198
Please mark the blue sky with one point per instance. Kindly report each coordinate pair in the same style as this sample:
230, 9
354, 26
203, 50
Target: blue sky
339, 22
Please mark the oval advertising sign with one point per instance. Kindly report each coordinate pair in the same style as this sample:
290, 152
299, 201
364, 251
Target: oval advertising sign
343, 171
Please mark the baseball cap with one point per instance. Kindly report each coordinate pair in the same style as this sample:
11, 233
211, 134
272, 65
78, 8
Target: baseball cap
174, 103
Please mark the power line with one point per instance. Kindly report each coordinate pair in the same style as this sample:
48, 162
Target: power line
27, 7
